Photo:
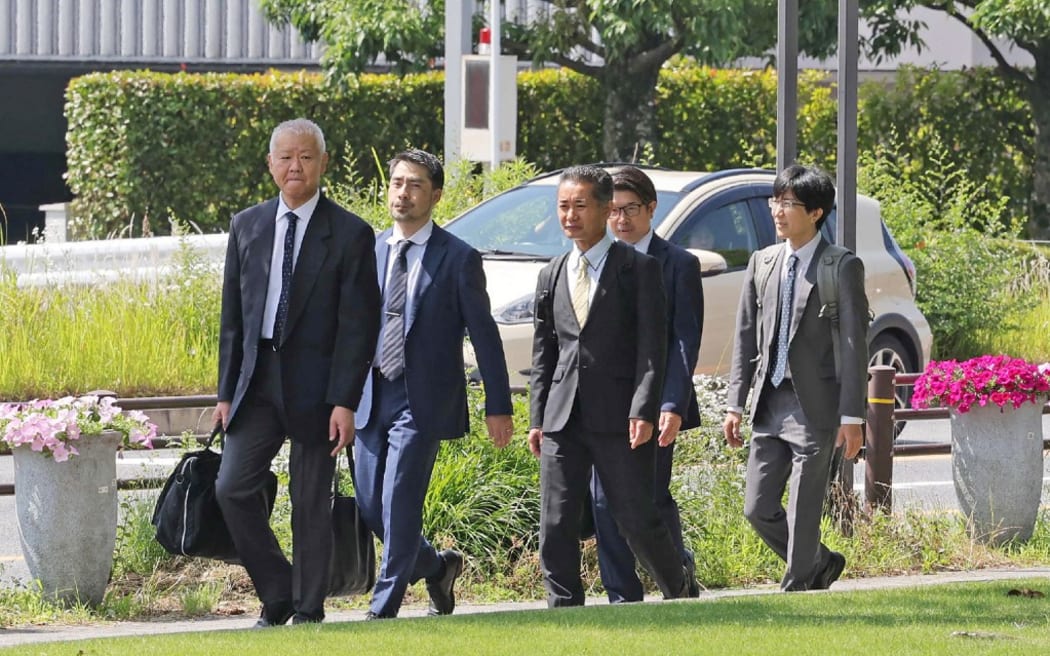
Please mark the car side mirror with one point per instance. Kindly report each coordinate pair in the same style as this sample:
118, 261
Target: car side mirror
711, 263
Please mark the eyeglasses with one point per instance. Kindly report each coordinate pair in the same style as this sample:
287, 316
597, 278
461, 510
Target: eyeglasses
630, 210
785, 203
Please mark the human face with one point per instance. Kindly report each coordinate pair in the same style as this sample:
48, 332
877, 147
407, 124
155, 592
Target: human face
296, 164
792, 221
581, 216
411, 196
630, 219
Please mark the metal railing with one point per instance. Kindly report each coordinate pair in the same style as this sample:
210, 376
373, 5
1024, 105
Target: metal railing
879, 447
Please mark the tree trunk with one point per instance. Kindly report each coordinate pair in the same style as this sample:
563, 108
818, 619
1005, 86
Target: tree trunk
629, 130
1039, 97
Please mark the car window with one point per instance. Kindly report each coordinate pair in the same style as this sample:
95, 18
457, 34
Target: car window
524, 221
727, 230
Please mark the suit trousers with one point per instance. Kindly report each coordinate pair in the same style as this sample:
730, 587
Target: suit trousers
615, 558
787, 453
566, 459
249, 449
393, 462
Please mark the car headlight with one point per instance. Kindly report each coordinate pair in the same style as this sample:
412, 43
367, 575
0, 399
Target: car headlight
520, 310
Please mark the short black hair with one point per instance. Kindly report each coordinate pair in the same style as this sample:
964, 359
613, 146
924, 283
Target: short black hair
421, 157
633, 179
811, 185
599, 179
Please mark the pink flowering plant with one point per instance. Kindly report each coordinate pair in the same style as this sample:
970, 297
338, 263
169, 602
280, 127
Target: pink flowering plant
995, 379
54, 427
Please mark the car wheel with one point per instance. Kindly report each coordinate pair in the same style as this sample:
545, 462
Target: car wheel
887, 350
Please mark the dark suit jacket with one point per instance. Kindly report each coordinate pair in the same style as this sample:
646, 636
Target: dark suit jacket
615, 363
811, 356
685, 307
333, 315
449, 298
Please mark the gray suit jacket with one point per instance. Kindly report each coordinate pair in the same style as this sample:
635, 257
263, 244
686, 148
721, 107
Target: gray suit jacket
811, 357
615, 362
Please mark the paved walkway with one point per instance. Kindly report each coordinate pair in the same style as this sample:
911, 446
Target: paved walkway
38, 634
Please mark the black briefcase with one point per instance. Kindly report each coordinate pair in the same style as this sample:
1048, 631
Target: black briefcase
353, 564
187, 517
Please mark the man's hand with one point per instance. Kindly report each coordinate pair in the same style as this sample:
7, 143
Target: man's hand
341, 428
501, 429
640, 431
851, 437
670, 423
535, 440
731, 428
221, 414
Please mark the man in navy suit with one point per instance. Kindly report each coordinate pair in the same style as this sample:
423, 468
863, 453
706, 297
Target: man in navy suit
300, 314
634, 201
433, 291
598, 360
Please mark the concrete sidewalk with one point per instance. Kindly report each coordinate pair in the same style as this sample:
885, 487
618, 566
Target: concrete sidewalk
38, 634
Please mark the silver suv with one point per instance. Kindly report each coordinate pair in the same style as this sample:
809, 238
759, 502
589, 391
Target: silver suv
721, 218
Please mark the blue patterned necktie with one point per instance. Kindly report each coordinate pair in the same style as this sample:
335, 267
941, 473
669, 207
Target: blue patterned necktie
287, 266
392, 351
787, 303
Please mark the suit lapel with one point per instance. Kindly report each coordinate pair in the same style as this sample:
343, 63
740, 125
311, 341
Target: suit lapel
259, 248
308, 265
805, 287
432, 258
382, 253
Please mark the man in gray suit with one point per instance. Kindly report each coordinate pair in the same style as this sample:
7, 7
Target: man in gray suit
802, 409
598, 361
300, 316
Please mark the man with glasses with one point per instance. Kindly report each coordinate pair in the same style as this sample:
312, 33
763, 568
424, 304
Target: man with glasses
802, 409
634, 201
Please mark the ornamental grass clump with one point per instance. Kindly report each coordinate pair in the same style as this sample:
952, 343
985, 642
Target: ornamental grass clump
54, 427
988, 379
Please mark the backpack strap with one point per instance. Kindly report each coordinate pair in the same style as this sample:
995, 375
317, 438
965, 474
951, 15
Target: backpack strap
828, 288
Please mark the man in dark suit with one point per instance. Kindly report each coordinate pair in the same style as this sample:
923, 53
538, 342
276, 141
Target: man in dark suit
300, 314
598, 361
634, 201
434, 290
802, 409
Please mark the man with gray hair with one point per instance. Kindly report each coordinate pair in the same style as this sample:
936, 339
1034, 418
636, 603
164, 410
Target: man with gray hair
299, 321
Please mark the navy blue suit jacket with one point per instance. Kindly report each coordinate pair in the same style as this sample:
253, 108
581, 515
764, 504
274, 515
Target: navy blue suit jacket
685, 311
449, 298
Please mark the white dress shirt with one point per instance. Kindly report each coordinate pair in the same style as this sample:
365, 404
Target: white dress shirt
273, 287
596, 256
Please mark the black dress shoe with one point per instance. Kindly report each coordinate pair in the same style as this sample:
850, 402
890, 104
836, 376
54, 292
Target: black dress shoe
440, 588
279, 617
831, 572
299, 618
692, 586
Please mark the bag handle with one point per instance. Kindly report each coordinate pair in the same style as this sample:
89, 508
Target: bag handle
216, 431
350, 463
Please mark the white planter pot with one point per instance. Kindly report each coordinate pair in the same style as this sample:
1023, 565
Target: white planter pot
67, 517
997, 465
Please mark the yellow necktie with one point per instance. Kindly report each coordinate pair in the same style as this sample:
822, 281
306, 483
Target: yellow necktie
581, 292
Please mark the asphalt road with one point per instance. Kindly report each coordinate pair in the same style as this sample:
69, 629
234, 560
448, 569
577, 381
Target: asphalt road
921, 483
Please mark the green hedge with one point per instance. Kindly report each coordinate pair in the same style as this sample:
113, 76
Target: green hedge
155, 146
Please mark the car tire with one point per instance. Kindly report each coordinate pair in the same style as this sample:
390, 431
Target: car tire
888, 350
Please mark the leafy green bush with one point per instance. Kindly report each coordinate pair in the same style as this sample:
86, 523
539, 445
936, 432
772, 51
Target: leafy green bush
146, 148
966, 263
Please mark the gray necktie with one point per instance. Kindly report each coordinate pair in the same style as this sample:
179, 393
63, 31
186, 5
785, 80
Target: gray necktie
787, 303
392, 351
287, 266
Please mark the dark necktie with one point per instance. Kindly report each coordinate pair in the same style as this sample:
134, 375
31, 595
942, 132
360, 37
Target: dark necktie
392, 351
287, 265
787, 304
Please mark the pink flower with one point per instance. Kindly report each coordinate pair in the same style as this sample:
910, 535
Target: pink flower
996, 379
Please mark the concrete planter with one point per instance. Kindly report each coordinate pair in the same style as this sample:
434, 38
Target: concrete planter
67, 517
997, 465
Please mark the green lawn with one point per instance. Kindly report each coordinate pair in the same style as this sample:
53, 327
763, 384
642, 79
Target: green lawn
970, 618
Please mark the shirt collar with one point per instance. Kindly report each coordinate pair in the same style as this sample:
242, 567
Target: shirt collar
419, 237
806, 252
303, 212
595, 254
642, 245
